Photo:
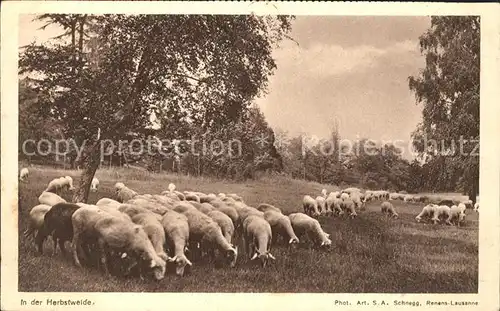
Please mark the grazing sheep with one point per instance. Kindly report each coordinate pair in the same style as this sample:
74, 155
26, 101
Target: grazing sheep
57, 222
150, 204
344, 196
442, 212
387, 207
320, 202
333, 205
36, 217
165, 200
107, 201
175, 195
268, 207
56, 185
310, 206
257, 238
303, 224
205, 208
235, 197
208, 198
132, 210
229, 211
49, 198
24, 174
408, 198
176, 229
427, 211
351, 190
368, 196
225, 223
350, 206
154, 229
356, 199
69, 183
245, 211
281, 226
112, 210
204, 230
191, 196
456, 215
123, 193
94, 185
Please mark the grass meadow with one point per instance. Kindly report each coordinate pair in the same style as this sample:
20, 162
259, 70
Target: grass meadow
369, 254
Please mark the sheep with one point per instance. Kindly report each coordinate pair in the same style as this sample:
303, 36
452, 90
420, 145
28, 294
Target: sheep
57, 222
267, 207
154, 229
69, 183
476, 207
350, 206
94, 185
224, 222
320, 201
24, 174
457, 214
344, 196
310, 206
56, 185
304, 224
281, 225
115, 233
191, 196
368, 196
132, 210
204, 230
112, 210
35, 220
408, 198
176, 229
427, 211
387, 207
335, 194
245, 211
442, 212
235, 197
123, 193
149, 204
394, 196
175, 195
351, 190
333, 204
49, 198
208, 198
205, 208
356, 199
107, 201
257, 238
229, 211
165, 200
324, 193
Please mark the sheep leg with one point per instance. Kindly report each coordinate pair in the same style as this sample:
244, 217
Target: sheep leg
102, 251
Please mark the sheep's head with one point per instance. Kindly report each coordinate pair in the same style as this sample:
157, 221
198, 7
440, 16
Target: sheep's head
171, 187
180, 262
232, 256
263, 257
326, 243
293, 241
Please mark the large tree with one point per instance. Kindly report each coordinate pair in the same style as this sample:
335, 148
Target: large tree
207, 68
448, 89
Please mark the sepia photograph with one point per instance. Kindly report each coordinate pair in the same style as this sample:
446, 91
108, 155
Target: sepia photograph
249, 152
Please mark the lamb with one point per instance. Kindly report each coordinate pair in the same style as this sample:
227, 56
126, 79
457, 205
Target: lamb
310, 206
267, 207
123, 193
35, 220
387, 207
281, 226
107, 201
57, 222
154, 229
94, 185
24, 174
304, 224
427, 211
203, 230
224, 222
176, 229
49, 198
257, 236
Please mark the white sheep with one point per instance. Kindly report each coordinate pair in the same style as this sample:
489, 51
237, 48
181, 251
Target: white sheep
56, 185
356, 198
442, 212
151, 223
206, 232
49, 198
310, 206
268, 207
349, 206
394, 196
321, 205
303, 224
24, 174
387, 207
457, 214
476, 207
281, 226
333, 204
67, 182
177, 234
257, 238
427, 211
124, 193
324, 193
191, 196
150, 204
351, 190
368, 196
409, 198
224, 222
94, 185
108, 201
344, 196
235, 197
36, 217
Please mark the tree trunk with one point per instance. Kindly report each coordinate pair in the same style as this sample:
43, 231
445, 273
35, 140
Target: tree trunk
90, 165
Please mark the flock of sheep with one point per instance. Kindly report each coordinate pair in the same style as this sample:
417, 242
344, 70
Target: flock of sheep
351, 199
145, 234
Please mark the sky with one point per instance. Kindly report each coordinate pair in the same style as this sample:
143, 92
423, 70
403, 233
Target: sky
351, 69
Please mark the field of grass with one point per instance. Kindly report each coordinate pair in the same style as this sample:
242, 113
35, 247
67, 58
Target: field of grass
369, 254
